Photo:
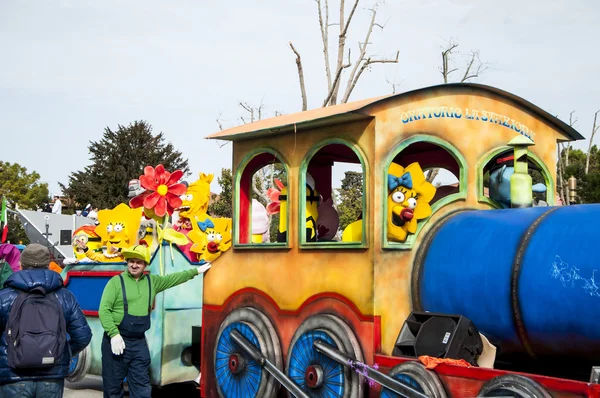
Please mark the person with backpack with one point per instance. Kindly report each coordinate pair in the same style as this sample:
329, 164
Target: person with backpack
124, 313
36, 315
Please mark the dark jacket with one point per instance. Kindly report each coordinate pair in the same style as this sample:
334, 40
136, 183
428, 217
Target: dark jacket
78, 329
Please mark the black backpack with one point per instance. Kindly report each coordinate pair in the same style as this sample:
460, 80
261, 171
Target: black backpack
35, 330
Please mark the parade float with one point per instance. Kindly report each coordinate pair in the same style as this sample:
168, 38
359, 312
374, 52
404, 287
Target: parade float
481, 287
149, 219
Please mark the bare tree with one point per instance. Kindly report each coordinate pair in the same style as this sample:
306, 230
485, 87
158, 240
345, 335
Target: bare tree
473, 68
562, 182
343, 58
589, 151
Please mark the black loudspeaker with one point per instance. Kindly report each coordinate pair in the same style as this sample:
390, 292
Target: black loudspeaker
65, 236
439, 335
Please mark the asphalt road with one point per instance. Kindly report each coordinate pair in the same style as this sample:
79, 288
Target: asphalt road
91, 387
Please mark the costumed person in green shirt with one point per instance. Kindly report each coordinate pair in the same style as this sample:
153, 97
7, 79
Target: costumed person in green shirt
124, 312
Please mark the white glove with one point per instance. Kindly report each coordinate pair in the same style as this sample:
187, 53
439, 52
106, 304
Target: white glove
117, 344
203, 268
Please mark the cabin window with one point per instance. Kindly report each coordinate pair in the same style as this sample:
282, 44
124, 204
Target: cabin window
494, 185
262, 201
332, 196
421, 175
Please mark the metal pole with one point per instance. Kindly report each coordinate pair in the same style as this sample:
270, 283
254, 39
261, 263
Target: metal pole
381, 378
269, 367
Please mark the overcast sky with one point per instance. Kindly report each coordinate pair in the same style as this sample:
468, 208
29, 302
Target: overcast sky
70, 68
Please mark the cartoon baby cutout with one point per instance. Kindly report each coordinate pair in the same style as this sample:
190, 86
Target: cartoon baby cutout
211, 237
409, 195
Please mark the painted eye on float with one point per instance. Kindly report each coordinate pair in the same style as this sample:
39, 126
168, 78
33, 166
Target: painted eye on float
109, 228
189, 197
398, 197
218, 237
118, 228
412, 203
210, 237
182, 197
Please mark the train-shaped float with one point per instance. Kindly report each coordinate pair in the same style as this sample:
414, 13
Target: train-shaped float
409, 297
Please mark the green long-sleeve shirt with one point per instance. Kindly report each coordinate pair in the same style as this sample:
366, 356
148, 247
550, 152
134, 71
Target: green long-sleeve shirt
111, 305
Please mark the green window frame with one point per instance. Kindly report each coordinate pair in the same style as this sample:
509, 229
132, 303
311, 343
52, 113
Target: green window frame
236, 208
481, 198
302, 198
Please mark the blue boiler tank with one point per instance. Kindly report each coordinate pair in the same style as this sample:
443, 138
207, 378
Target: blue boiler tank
525, 277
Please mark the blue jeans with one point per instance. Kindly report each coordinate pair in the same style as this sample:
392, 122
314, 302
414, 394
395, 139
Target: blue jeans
44, 388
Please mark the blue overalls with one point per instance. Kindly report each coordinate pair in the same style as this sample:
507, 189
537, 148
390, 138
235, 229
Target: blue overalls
134, 363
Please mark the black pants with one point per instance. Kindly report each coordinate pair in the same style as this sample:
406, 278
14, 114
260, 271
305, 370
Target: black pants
133, 363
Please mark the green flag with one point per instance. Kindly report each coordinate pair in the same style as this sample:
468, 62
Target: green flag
3, 221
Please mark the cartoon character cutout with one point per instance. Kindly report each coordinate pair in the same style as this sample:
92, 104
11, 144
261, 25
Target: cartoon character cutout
83, 237
211, 237
118, 229
196, 198
194, 203
409, 195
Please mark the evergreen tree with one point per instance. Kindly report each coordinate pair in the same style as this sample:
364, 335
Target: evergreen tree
222, 206
117, 158
350, 198
21, 189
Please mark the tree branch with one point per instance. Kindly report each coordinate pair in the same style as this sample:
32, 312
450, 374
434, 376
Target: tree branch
341, 45
445, 55
594, 129
300, 77
365, 65
335, 81
324, 26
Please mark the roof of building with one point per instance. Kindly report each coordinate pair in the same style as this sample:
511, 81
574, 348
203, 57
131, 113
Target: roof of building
353, 111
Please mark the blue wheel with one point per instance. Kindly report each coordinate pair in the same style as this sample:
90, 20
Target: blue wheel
236, 374
314, 372
415, 375
317, 374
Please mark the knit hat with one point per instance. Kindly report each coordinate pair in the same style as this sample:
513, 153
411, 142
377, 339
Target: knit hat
35, 256
140, 252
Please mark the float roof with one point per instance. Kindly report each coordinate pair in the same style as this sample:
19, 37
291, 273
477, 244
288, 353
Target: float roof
353, 111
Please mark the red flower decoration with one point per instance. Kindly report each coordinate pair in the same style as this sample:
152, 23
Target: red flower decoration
163, 191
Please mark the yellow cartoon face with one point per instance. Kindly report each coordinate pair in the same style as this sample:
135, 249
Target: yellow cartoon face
85, 236
119, 227
196, 198
408, 200
210, 237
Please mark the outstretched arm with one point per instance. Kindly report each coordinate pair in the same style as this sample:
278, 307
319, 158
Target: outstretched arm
161, 283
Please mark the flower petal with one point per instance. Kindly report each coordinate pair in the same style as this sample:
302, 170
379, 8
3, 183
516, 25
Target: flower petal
177, 189
273, 194
161, 206
166, 176
175, 177
151, 200
138, 201
174, 200
170, 209
148, 182
160, 171
149, 172
273, 208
